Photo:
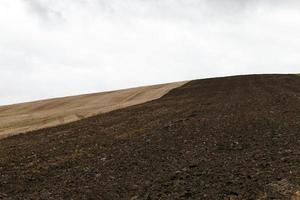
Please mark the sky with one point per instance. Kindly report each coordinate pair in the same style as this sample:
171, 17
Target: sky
53, 48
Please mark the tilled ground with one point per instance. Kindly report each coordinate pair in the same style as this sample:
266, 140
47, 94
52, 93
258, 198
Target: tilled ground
225, 138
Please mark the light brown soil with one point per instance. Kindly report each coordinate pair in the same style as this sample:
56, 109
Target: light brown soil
26, 117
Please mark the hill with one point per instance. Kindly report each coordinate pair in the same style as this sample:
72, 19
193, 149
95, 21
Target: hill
30, 116
224, 138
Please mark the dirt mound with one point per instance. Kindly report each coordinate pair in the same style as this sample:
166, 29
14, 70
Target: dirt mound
46, 113
224, 138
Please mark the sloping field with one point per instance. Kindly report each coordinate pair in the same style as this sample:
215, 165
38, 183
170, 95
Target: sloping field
40, 114
231, 138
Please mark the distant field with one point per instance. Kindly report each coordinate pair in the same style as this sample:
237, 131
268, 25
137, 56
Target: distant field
46, 113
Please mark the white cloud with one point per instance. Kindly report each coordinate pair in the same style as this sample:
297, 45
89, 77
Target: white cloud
54, 48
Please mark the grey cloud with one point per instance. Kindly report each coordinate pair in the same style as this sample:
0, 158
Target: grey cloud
43, 10
110, 44
172, 9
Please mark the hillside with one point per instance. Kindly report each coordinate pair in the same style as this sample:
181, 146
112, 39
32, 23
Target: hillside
223, 138
26, 117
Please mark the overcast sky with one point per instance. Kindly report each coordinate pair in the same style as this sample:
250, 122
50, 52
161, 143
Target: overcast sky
51, 48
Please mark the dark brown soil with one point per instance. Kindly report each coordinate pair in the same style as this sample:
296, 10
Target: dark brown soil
224, 138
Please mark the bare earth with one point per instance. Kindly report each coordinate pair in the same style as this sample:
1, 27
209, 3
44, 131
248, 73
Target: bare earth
20, 118
232, 138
